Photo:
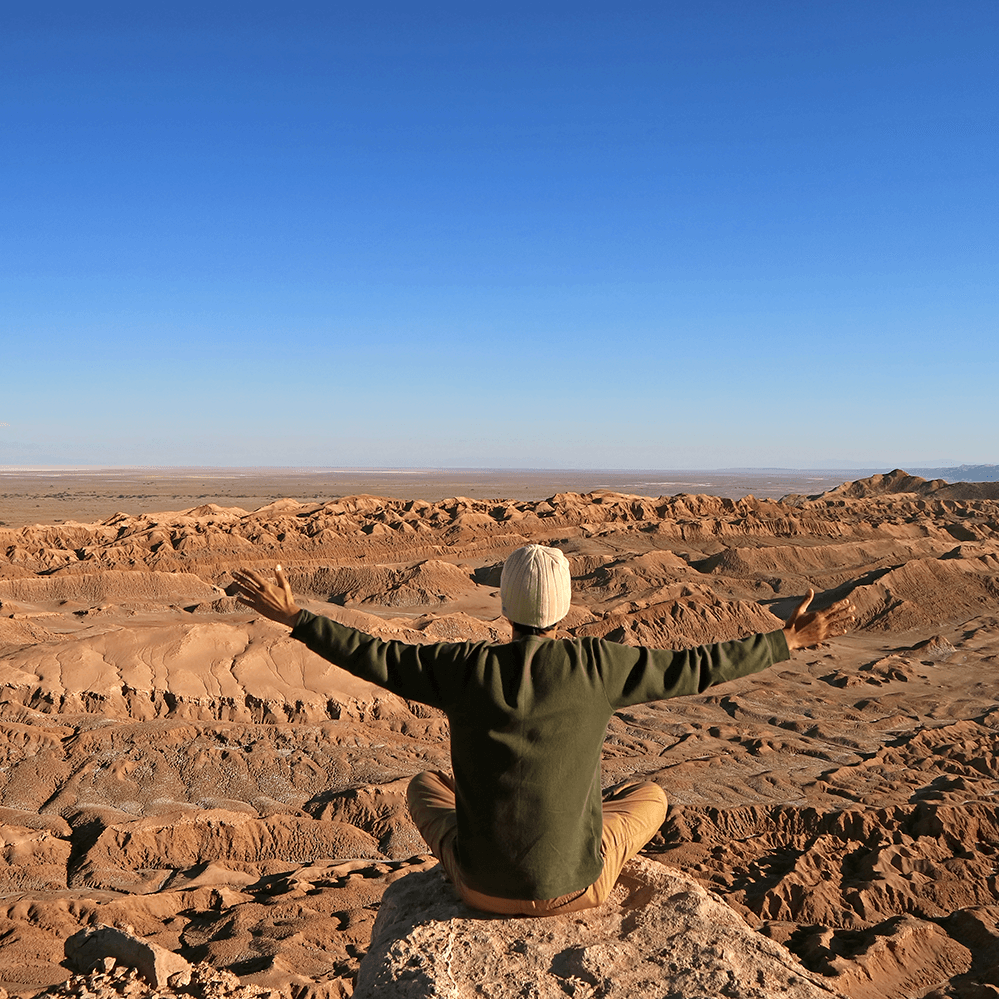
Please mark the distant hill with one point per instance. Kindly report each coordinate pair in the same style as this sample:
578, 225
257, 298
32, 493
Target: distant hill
899, 481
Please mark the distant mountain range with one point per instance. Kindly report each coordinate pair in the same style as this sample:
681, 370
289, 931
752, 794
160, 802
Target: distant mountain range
960, 473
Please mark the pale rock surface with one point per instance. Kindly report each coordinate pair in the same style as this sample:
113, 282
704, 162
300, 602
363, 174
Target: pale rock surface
659, 934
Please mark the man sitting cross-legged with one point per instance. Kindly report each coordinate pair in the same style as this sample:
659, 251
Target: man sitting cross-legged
521, 827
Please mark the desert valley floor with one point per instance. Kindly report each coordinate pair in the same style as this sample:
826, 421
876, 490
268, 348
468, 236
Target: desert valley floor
173, 764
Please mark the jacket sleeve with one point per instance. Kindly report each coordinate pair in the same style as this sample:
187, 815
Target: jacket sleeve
418, 672
636, 675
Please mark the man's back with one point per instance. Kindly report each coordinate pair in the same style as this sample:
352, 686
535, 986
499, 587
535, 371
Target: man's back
526, 738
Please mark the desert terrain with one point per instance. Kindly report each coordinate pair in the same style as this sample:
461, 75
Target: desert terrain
55, 495
177, 767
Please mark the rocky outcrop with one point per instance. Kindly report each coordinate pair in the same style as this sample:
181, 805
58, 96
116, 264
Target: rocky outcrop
157, 965
659, 933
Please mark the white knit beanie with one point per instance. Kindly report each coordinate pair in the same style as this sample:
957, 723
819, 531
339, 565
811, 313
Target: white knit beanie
535, 586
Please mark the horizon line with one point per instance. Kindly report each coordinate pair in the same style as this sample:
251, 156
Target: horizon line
429, 469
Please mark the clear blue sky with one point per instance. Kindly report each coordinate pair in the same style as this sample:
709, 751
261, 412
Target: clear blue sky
673, 235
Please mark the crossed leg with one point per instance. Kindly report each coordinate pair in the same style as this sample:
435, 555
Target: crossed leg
632, 812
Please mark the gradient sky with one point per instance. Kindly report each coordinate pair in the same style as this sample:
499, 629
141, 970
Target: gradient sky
590, 235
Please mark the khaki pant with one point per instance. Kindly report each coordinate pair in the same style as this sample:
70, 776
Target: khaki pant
632, 812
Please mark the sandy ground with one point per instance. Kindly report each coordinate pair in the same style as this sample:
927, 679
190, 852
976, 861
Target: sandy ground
171, 763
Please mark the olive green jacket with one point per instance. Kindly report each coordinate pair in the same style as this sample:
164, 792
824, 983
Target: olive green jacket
527, 726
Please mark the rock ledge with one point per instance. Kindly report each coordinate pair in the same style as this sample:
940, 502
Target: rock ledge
659, 934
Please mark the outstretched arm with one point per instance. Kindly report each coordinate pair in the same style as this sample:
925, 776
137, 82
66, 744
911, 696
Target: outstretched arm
273, 601
805, 629
416, 672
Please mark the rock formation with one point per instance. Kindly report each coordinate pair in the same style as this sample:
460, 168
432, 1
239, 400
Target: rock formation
659, 934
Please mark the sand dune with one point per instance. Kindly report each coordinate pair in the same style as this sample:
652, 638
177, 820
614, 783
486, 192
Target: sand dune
173, 764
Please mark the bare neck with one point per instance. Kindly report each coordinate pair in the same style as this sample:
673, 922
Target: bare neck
519, 633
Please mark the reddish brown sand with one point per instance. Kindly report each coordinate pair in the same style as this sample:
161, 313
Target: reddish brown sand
174, 764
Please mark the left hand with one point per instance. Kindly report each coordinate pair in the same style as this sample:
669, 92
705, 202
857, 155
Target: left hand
805, 629
263, 596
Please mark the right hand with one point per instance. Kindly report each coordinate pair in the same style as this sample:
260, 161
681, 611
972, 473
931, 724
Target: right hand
803, 630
